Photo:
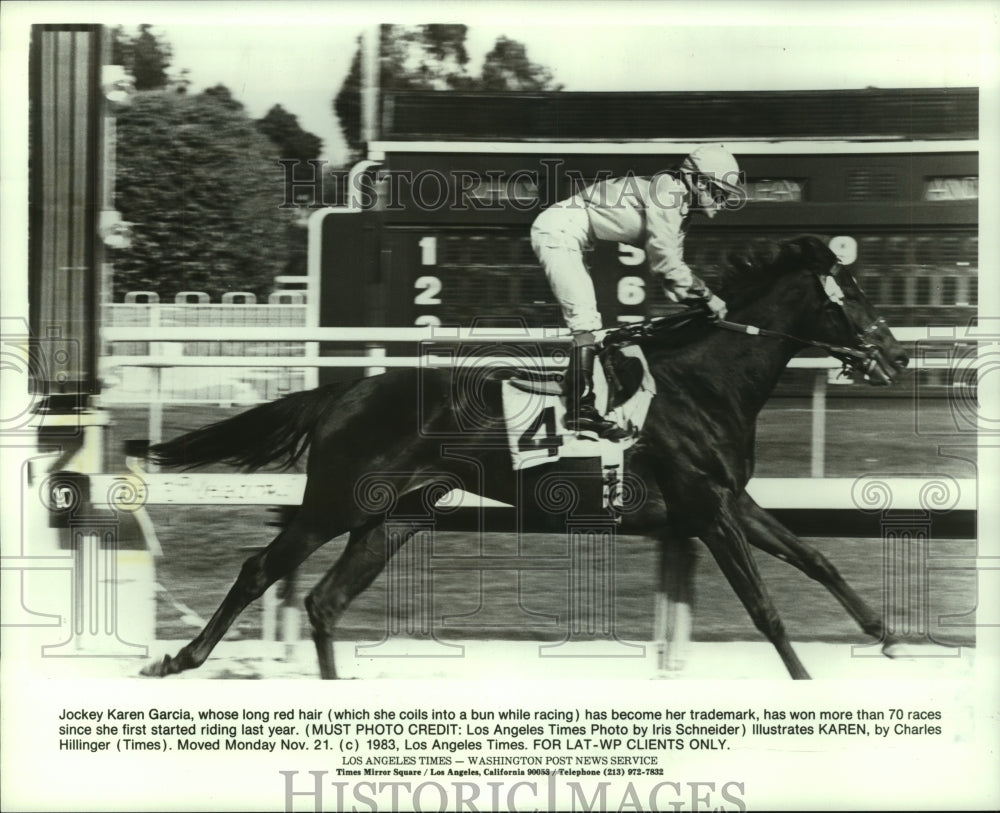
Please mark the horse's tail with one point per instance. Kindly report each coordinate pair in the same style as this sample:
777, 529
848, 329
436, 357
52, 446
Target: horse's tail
269, 432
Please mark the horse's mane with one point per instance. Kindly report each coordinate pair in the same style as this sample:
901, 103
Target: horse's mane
756, 266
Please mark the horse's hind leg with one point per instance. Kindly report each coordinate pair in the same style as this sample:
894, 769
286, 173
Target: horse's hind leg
307, 531
368, 551
674, 600
769, 535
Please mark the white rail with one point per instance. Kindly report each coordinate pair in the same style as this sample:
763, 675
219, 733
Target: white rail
378, 335
866, 493
653, 146
429, 360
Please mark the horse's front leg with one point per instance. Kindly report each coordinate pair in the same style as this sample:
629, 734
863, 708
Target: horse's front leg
726, 538
769, 535
674, 601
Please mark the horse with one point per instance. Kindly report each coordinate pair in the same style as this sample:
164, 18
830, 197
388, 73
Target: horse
691, 461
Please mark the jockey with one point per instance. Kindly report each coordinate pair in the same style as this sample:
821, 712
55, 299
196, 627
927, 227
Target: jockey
651, 213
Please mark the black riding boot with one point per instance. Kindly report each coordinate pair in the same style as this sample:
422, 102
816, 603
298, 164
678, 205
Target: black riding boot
581, 414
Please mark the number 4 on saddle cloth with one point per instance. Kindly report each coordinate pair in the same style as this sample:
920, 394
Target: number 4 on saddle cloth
534, 408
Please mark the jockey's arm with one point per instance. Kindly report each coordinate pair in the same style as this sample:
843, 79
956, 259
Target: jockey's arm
665, 254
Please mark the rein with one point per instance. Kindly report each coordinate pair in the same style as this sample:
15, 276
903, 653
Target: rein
835, 350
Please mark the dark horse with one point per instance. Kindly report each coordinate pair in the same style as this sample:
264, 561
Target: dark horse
428, 431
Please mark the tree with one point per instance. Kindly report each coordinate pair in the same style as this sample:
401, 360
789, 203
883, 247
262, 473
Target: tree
292, 142
441, 55
347, 103
146, 57
434, 57
222, 95
507, 67
285, 132
202, 188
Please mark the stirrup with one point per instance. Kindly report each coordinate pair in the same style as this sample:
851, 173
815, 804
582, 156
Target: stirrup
595, 426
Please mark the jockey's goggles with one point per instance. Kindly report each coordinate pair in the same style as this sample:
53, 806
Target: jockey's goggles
721, 195
723, 192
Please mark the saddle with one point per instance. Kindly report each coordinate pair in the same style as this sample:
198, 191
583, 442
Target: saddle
537, 382
534, 409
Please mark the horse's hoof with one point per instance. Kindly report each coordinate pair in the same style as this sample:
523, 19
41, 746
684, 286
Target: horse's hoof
896, 649
672, 660
160, 668
914, 649
669, 668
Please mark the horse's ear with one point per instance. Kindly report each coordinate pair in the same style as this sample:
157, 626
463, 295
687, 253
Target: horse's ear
811, 248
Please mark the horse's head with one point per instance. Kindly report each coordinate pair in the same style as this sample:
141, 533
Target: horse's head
833, 310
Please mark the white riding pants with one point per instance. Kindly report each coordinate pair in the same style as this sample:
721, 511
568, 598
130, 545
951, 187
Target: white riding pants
559, 236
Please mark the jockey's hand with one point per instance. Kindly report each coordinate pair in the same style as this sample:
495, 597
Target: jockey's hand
717, 307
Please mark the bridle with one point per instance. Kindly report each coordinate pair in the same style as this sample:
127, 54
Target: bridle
863, 357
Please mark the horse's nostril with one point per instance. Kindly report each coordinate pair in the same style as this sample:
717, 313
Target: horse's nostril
901, 360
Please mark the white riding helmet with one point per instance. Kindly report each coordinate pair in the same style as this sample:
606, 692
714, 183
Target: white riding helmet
715, 161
